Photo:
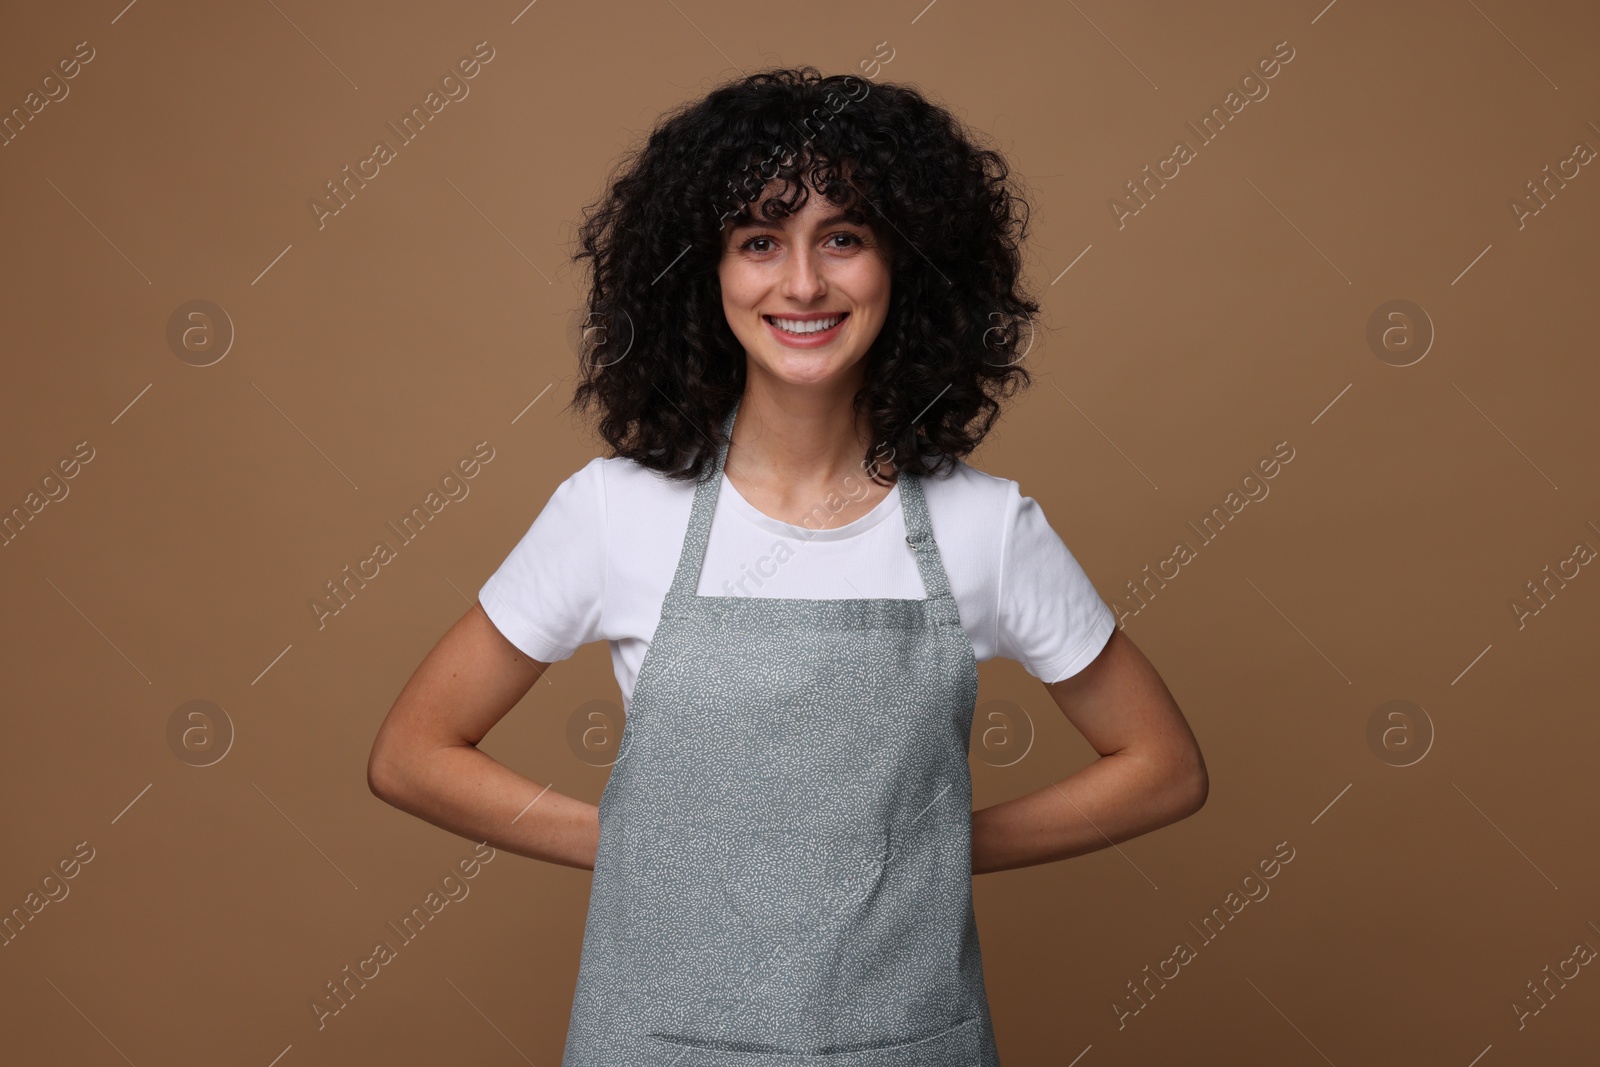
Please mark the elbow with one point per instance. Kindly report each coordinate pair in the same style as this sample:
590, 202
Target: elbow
1173, 786
1195, 785
1178, 785
401, 774
1198, 791
381, 775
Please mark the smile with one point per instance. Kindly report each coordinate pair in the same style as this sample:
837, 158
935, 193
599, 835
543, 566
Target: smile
807, 331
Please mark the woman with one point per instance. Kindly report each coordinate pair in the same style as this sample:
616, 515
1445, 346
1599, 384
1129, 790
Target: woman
800, 284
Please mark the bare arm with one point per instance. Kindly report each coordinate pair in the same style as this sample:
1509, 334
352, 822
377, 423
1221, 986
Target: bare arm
1149, 774
425, 759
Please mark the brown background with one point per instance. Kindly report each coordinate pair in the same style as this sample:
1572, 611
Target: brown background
1229, 315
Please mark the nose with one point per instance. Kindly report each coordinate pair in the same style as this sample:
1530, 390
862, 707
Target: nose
802, 276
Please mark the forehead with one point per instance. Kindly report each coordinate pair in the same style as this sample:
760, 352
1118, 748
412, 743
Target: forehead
817, 210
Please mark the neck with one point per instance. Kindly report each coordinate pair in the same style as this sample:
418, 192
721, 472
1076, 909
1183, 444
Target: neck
798, 437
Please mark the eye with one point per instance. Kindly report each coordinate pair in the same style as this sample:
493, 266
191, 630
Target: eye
747, 246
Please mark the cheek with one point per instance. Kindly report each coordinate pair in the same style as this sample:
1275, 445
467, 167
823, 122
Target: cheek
740, 288
869, 285
739, 298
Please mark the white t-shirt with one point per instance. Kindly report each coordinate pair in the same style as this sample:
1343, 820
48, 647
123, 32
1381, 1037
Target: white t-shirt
599, 559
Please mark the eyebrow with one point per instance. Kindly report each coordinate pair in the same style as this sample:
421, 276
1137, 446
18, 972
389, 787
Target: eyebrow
834, 219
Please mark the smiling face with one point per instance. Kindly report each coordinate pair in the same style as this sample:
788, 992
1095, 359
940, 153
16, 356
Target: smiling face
806, 294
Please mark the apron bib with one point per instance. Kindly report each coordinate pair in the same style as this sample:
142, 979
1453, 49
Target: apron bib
784, 871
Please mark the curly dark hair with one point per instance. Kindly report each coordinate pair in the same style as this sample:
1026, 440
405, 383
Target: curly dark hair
657, 354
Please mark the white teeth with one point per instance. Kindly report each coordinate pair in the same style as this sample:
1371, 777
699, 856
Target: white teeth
815, 326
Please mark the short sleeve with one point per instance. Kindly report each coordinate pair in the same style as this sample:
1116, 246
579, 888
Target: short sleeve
1051, 619
547, 595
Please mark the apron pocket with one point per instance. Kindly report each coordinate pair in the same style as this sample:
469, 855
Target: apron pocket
958, 1046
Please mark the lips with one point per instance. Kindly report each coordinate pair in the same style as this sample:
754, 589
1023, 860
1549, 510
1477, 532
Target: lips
783, 324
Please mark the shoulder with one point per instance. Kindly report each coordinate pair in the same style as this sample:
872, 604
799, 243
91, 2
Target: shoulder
973, 514
635, 501
968, 490
627, 481
620, 474
601, 491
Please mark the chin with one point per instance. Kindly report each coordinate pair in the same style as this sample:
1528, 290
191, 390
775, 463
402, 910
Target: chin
811, 375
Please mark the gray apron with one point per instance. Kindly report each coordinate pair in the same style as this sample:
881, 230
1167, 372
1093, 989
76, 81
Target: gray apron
784, 872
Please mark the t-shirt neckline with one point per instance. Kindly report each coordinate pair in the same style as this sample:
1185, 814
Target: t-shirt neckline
748, 511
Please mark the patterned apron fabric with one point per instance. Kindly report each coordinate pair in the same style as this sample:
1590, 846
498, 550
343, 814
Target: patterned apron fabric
784, 872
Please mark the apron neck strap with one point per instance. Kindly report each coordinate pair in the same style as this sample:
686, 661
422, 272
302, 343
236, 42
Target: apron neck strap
913, 506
